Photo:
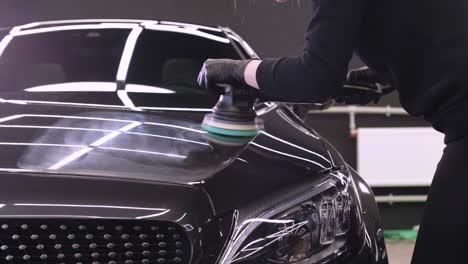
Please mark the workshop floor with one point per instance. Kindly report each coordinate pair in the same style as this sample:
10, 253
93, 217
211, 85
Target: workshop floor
400, 252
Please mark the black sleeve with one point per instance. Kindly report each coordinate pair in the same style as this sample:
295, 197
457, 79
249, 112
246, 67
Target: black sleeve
319, 73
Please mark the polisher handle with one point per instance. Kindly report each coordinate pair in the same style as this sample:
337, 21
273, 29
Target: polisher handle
236, 102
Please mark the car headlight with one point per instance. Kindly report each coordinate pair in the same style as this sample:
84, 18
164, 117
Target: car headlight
309, 231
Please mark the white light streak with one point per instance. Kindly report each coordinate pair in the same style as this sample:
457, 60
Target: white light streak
92, 206
190, 25
75, 21
175, 126
8, 118
97, 143
123, 96
2, 205
153, 215
60, 103
70, 27
15, 170
59, 128
57, 216
145, 152
4, 43
70, 159
128, 53
137, 88
166, 137
296, 146
40, 145
182, 217
243, 160
188, 30
177, 109
77, 117
288, 155
75, 87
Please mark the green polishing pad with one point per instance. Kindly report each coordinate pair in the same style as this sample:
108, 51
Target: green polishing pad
229, 132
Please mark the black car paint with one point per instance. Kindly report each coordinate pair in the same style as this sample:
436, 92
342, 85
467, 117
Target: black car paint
201, 191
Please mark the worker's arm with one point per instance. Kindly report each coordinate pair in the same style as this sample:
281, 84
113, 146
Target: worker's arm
315, 76
318, 74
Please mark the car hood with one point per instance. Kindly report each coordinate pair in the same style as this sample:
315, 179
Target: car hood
51, 145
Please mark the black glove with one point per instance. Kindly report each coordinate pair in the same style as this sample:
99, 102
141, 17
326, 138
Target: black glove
222, 71
363, 86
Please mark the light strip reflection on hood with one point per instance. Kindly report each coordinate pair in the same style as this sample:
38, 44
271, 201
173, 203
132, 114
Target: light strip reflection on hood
144, 152
288, 155
138, 88
74, 156
97, 143
2, 205
293, 145
75, 87
76, 117
174, 126
153, 215
14, 101
108, 131
204, 110
40, 144
92, 206
8, 118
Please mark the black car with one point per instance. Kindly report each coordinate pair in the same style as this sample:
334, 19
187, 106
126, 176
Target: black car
103, 158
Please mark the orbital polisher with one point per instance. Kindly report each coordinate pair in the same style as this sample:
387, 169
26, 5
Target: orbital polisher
234, 114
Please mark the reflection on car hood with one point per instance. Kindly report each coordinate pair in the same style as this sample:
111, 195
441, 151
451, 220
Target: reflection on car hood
63, 141
109, 143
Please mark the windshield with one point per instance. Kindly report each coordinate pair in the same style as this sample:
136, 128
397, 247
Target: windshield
83, 66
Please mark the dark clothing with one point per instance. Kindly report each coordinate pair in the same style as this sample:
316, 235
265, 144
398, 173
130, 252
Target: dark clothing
443, 231
419, 46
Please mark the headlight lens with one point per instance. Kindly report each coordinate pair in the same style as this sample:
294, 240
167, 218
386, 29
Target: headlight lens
295, 235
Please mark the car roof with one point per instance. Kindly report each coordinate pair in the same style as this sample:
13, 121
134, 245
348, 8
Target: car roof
128, 22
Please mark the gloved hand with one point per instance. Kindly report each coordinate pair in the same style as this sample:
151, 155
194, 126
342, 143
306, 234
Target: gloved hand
363, 86
222, 71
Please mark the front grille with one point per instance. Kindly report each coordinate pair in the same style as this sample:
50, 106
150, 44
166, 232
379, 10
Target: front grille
92, 242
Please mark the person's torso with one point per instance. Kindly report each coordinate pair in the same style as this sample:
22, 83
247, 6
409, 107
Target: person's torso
422, 46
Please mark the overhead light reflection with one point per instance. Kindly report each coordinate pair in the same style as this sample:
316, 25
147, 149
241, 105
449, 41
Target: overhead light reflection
69, 159
128, 53
145, 152
75, 87
175, 126
70, 27
287, 154
182, 217
24, 102
187, 30
294, 145
97, 143
2, 205
152, 215
190, 25
137, 88
204, 110
4, 43
40, 144
123, 96
8, 118
92, 206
